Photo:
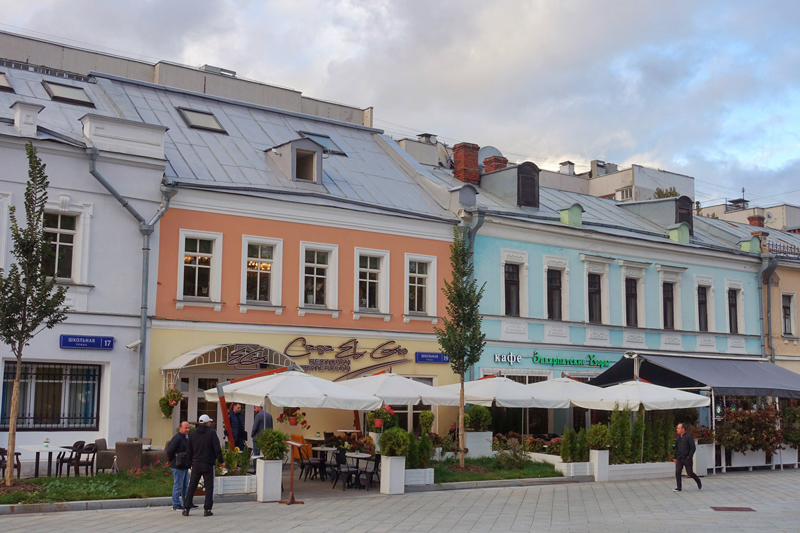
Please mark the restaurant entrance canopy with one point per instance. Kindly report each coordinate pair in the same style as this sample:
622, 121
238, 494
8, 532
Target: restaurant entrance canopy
726, 376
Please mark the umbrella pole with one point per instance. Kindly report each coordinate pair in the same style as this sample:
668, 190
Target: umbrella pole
714, 435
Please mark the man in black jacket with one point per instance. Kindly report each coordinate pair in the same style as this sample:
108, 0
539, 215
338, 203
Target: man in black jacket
203, 451
684, 453
178, 461
236, 417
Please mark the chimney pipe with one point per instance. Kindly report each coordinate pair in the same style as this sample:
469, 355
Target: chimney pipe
567, 167
495, 162
25, 117
465, 158
756, 220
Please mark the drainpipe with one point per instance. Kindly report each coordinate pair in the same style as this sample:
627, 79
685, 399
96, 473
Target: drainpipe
146, 229
768, 265
472, 232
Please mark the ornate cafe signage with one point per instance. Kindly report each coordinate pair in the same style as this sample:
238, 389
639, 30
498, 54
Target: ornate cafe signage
385, 355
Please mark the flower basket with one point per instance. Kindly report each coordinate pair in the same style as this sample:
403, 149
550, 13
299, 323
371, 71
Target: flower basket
173, 403
294, 417
292, 420
378, 422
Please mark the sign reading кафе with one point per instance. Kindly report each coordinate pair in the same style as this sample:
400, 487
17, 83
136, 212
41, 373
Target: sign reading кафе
590, 360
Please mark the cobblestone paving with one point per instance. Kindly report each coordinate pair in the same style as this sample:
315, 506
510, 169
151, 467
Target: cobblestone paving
624, 506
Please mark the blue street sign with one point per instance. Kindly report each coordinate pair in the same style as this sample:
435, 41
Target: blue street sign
431, 357
86, 342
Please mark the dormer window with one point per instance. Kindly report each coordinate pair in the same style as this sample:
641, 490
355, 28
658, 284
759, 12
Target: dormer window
683, 212
324, 141
67, 93
4, 85
528, 185
201, 120
300, 160
305, 167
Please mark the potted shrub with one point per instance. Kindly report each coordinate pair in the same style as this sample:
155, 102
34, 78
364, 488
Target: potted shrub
394, 443
478, 440
750, 436
269, 467
598, 439
234, 479
294, 417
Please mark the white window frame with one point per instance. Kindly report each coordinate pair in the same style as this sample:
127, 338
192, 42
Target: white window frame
670, 274
708, 283
332, 279
551, 262
80, 250
215, 281
793, 307
431, 290
595, 264
383, 284
276, 276
514, 257
638, 271
738, 286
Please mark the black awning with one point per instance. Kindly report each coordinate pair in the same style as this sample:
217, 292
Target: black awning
727, 377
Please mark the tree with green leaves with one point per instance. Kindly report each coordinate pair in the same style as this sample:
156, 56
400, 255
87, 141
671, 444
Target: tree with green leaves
461, 338
670, 192
29, 300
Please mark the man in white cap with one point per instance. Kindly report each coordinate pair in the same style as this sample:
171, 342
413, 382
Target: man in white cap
203, 451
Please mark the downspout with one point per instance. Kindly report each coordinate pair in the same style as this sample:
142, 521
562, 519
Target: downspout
146, 229
768, 265
472, 232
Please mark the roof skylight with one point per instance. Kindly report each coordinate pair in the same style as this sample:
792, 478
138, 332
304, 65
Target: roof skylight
201, 120
323, 140
4, 85
67, 93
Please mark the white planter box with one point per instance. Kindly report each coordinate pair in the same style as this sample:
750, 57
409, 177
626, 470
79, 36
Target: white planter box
419, 476
545, 458
234, 484
703, 459
599, 461
375, 437
268, 480
575, 469
750, 459
393, 475
787, 456
641, 471
479, 444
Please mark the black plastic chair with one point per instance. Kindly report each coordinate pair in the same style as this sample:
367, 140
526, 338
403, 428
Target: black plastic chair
341, 468
4, 462
67, 457
373, 469
308, 464
85, 458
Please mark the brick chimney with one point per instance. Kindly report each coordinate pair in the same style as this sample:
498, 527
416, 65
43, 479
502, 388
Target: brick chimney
465, 157
756, 220
490, 164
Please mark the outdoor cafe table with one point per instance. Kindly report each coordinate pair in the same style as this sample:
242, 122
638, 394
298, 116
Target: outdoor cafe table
39, 448
322, 458
358, 457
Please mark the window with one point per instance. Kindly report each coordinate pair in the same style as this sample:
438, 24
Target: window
305, 166
626, 193
417, 287
200, 269
408, 415
787, 311
67, 93
316, 277
259, 272
595, 299
4, 85
53, 396
631, 302
369, 271
325, 141
197, 257
512, 289
319, 279
420, 288
668, 303
702, 308
733, 311
60, 231
201, 120
554, 295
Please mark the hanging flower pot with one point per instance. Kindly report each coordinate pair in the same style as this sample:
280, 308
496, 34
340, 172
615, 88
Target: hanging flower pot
292, 420
173, 403
378, 422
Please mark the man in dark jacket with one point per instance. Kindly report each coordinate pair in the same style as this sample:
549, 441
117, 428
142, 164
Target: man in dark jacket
178, 461
203, 451
684, 453
261, 421
236, 416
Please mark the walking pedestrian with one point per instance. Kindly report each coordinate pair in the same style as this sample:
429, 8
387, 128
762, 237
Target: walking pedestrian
178, 461
239, 437
684, 454
261, 421
203, 451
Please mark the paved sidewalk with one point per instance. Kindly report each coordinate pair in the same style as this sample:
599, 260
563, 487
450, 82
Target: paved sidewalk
630, 506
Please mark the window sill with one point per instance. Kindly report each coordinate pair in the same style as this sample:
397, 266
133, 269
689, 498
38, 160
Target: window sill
180, 304
301, 311
252, 306
425, 318
371, 314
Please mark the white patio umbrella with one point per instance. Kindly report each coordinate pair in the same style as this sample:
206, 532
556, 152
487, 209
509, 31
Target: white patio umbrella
563, 387
296, 389
399, 390
632, 394
505, 393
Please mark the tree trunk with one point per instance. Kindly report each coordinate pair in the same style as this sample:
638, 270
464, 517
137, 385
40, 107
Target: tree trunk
461, 438
12, 426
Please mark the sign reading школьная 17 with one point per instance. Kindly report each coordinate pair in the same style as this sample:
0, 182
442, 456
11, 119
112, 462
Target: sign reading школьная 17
86, 342
590, 360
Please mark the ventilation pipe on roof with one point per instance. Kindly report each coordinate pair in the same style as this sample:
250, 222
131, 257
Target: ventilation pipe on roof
146, 229
25, 117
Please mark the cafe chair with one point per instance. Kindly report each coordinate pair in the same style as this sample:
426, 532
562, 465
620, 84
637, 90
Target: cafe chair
129, 455
327, 435
308, 464
372, 470
4, 461
341, 468
105, 456
85, 458
67, 457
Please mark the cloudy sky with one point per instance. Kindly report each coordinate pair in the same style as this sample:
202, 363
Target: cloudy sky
708, 89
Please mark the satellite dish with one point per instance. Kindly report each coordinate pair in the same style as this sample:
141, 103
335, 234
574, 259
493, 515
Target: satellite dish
445, 160
485, 153
769, 216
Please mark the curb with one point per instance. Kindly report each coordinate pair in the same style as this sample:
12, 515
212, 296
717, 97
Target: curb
97, 505
498, 483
